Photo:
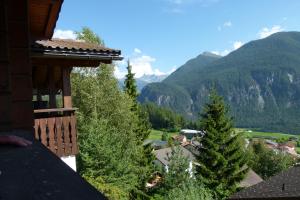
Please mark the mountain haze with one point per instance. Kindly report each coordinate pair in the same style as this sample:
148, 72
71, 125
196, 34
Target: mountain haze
144, 80
260, 81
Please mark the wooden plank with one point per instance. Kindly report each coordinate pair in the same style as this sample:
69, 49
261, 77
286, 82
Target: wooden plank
66, 135
65, 62
67, 87
60, 147
51, 134
43, 126
74, 135
36, 129
54, 110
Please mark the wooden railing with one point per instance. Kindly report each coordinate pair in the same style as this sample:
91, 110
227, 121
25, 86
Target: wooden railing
56, 129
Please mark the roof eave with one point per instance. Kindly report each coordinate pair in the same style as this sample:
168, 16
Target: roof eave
77, 56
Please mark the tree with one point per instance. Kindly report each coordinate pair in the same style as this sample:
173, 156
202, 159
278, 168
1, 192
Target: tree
88, 35
266, 162
164, 136
221, 158
130, 85
142, 132
110, 154
178, 182
190, 190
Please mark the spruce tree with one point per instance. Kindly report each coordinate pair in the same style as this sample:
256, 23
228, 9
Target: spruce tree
142, 132
222, 160
130, 85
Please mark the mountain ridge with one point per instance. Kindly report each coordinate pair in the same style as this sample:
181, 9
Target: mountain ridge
260, 81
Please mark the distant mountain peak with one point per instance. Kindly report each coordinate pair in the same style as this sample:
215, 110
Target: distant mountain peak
210, 54
259, 81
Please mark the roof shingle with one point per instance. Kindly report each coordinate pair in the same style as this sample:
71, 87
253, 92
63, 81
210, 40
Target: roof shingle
73, 47
285, 185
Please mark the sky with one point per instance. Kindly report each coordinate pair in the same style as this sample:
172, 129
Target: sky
158, 36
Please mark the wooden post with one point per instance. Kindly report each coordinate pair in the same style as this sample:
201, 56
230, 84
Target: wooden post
52, 93
66, 87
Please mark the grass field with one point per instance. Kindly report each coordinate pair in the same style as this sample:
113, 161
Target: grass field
258, 134
156, 134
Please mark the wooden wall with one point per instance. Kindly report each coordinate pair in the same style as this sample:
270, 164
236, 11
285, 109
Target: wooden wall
15, 67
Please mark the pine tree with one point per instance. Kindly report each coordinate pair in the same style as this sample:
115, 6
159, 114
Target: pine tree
142, 132
130, 85
222, 160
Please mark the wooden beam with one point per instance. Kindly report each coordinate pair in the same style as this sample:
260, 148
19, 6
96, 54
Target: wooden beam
68, 62
54, 9
66, 87
52, 90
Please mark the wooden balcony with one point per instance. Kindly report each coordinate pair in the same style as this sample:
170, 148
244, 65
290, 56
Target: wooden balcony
56, 129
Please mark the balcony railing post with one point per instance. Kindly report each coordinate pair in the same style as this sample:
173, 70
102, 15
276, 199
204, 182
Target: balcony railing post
56, 129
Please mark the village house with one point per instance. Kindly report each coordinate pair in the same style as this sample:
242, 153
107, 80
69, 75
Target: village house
163, 159
181, 139
284, 186
33, 66
190, 134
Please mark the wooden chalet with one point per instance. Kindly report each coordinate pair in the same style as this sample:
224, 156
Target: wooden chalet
35, 96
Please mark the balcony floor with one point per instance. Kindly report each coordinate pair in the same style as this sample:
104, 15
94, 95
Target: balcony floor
35, 173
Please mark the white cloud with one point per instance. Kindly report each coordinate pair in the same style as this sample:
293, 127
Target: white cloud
141, 65
237, 44
137, 51
265, 32
227, 24
64, 34
221, 53
172, 70
118, 73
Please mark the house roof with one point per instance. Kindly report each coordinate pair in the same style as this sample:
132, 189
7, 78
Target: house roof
35, 173
285, 185
162, 155
43, 16
251, 179
62, 47
72, 53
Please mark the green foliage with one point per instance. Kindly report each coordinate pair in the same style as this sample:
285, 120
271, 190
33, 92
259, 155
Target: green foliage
267, 162
111, 154
258, 81
130, 84
282, 140
142, 132
221, 157
164, 136
108, 147
163, 118
178, 172
191, 190
88, 35
178, 182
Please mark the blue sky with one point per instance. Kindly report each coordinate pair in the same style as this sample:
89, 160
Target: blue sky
161, 35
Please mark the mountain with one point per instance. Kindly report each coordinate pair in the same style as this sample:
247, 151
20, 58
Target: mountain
260, 82
144, 80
